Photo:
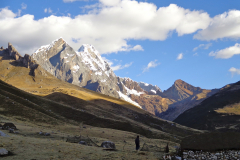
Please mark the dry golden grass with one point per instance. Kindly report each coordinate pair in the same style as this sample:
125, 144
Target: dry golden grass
233, 109
43, 84
28, 144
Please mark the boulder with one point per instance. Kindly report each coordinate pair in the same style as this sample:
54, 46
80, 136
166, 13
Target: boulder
108, 144
3, 152
9, 125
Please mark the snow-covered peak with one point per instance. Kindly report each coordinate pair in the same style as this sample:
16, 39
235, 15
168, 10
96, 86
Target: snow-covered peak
48, 46
91, 56
149, 87
85, 47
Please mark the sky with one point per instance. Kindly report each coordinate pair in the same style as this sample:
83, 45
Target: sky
152, 41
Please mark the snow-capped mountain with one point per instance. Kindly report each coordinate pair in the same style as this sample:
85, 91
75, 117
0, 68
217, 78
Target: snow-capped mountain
150, 88
84, 68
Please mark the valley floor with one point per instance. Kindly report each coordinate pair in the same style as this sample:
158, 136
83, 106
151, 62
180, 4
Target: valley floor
28, 144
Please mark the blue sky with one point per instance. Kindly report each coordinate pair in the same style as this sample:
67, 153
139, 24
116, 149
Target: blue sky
152, 41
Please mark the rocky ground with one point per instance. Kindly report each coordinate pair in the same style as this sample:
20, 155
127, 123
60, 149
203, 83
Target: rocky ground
220, 155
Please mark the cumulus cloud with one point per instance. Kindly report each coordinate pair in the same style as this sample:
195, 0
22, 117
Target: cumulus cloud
227, 52
180, 56
109, 28
202, 46
226, 25
234, 71
151, 64
5, 13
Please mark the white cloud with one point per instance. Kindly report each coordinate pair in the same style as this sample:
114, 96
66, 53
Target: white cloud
151, 64
226, 25
108, 28
47, 10
234, 71
5, 13
110, 2
67, 1
24, 6
203, 46
118, 67
19, 12
227, 52
180, 56
195, 54
137, 48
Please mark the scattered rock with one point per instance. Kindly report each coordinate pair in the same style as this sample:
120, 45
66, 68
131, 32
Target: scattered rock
11, 130
108, 144
47, 134
9, 125
3, 152
3, 134
82, 143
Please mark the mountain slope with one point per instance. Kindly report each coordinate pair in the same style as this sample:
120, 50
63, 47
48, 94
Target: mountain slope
218, 112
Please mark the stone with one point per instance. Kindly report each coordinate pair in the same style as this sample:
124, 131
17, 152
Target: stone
11, 130
108, 144
82, 143
3, 134
3, 152
47, 134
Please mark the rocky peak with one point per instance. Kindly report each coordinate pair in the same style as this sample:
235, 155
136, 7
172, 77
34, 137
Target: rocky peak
13, 52
181, 90
130, 84
26, 61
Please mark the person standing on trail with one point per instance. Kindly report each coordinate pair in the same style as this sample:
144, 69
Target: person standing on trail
167, 149
137, 142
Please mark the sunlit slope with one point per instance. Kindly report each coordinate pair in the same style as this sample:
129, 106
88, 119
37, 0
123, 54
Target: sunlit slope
43, 83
